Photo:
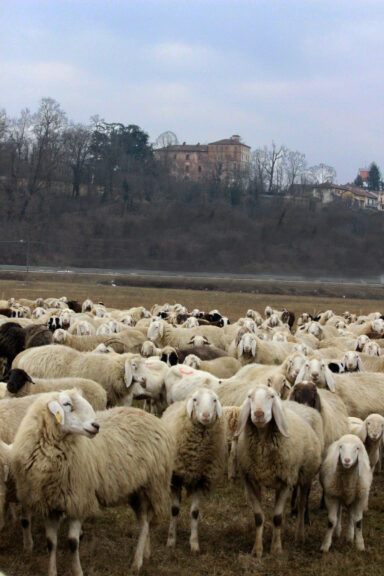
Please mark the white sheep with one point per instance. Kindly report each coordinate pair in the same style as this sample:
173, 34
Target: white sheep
20, 384
224, 367
181, 381
112, 371
128, 459
346, 478
361, 392
200, 433
370, 431
277, 449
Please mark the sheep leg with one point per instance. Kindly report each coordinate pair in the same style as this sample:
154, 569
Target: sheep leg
338, 525
280, 501
147, 548
333, 513
358, 519
253, 492
26, 527
52, 524
302, 512
175, 509
194, 539
73, 543
350, 533
143, 536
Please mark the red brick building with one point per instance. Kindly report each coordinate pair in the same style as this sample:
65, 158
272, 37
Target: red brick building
226, 160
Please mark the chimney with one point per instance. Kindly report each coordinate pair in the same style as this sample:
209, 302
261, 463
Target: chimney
235, 137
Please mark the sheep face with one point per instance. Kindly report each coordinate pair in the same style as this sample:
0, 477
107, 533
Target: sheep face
268, 311
303, 348
104, 329
315, 329
73, 414
193, 361
247, 345
103, 349
262, 406
349, 451
204, 407
155, 330
127, 320
59, 336
378, 326
374, 426
192, 322
65, 318
198, 340
352, 362
100, 311
273, 320
295, 364
83, 328
169, 357
318, 372
148, 349
150, 375
87, 305
372, 349
306, 393
279, 337
361, 341
54, 323
38, 312
16, 380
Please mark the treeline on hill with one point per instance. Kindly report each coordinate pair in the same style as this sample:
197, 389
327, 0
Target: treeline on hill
94, 196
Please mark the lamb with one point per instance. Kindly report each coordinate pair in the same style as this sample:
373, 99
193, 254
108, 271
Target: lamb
200, 432
112, 371
346, 478
370, 431
67, 460
225, 367
277, 449
20, 384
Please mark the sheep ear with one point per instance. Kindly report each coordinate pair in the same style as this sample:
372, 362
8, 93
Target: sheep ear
254, 348
57, 410
360, 459
317, 402
279, 417
173, 359
335, 367
161, 330
335, 461
300, 376
329, 380
240, 349
6, 472
190, 407
360, 364
363, 432
243, 416
219, 409
128, 376
269, 382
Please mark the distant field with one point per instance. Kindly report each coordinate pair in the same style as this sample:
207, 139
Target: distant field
226, 527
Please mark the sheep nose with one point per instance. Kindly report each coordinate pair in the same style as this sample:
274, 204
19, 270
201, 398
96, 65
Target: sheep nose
258, 414
96, 426
206, 415
347, 460
315, 374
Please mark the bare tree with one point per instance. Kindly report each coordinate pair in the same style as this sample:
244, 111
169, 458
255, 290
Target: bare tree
321, 173
295, 166
76, 141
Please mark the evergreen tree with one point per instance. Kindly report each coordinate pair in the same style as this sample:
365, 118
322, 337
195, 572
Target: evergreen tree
374, 177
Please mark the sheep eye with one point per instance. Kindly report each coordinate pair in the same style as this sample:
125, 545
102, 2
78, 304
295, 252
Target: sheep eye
214, 400
68, 404
195, 399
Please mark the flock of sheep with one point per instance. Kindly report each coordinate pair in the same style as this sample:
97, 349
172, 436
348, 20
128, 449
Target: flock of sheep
272, 401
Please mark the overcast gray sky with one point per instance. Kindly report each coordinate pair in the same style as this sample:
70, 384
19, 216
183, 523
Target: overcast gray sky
307, 74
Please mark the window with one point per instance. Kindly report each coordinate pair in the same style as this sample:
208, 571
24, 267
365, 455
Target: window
187, 156
199, 168
187, 168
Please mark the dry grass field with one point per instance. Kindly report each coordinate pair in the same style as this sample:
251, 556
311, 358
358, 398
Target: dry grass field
226, 527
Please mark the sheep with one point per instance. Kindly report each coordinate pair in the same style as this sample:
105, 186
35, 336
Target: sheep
150, 373
180, 381
262, 352
149, 349
200, 432
131, 340
232, 392
224, 367
370, 431
371, 349
277, 449
346, 478
164, 334
67, 460
332, 409
20, 384
169, 355
112, 371
12, 341
373, 329
204, 352
361, 392
103, 349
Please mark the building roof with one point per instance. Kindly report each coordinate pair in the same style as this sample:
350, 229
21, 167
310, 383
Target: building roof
228, 141
185, 148
364, 173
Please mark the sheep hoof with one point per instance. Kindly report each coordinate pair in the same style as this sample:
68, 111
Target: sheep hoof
195, 547
324, 549
171, 543
258, 552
